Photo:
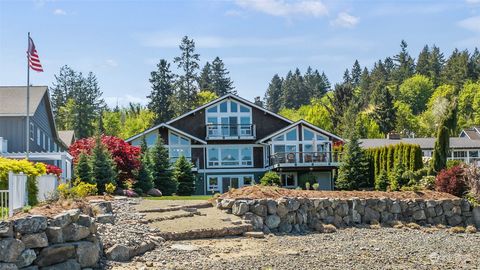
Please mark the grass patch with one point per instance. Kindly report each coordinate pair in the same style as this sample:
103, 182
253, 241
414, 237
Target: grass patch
457, 229
177, 198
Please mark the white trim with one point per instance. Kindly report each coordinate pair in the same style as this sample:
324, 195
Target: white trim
168, 127
463, 132
179, 145
233, 170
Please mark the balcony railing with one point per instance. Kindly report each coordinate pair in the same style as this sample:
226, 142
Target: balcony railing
224, 131
292, 159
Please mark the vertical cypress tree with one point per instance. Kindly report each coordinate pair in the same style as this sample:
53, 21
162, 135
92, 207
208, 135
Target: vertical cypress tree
182, 173
162, 175
442, 143
83, 169
103, 167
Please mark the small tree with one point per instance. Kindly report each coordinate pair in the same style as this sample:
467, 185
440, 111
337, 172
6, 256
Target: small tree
451, 181
83, 169
182, 174
162, 176
353, 171
442, 143
270, 179
381, 182
103, 167
144, 175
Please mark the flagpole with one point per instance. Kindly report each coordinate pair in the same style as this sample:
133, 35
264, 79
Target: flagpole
28, 100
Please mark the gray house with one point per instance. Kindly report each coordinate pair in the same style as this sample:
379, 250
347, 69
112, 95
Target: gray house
45, 142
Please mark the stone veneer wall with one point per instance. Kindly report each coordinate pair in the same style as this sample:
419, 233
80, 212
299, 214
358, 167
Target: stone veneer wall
66, 241
302, 214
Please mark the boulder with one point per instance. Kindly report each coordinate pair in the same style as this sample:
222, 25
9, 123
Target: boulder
419, 215
75, 232
105, 218
282, 210
30, 224
154, 192
55, 254
54, 235
226, 204
142, 248
395, 208
61, 220
370, 215
35, 240
70, 265
259, 209
285, 227
272, 221
271, 207
476, 216
239, 208
102, 207
293, 205
26, 258
130, 193
342, 209
74, 214
6, 229
85, 220
256, 221
118, 253
10, 249
454, 220
8, 266
88, 254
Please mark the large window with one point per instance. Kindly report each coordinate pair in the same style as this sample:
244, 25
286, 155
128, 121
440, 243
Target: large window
222, 183
229, 119
179, 146
288, 179
230, 156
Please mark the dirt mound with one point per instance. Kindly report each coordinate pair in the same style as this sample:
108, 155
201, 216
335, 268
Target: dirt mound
260, 192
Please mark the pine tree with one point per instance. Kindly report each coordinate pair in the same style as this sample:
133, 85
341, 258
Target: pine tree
83, 169
340, 102
161, 173
346, 77
144, 175
62, 88
455, 71
103, 167
474, 65
182, 173
356, 74
222, 84
404, 64
326, 82
273, 95
162, 81
288, 97
353, 171
365, 88
437, 61
423, 62
384, 113
187, 89
205, 79
314, 84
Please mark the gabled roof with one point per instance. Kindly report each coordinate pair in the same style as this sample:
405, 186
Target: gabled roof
303, 122
66, 136
232, 96
169, 127
13, 99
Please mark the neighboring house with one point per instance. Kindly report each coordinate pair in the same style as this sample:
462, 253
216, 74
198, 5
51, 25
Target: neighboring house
232, 142
45, 143
462, 148
67, 137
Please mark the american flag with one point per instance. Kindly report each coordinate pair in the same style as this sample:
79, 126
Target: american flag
33, 60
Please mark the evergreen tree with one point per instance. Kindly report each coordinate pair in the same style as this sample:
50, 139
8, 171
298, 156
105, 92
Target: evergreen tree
455, 71
161, 173
288, 97
353, 171
62, 88
474, 65
442, 143
389, 69
83, 169
365, 88
326, 82
258, 101
340, 102
144, 175
182, 173
273, 95
205, 79
437, 61
423, 62
186, 94
404, 64
384, 113
346, 77
314, 84
162, 81
356, 74
222, 84
103, 167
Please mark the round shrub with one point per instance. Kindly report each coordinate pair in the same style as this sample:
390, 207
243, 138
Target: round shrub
270, 179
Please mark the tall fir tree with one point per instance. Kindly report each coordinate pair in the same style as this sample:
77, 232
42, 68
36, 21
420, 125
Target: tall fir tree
314, 84
205, 79
340, 102
384, 113
356, 74
222, 84
187, 88
103, 167
423, 62
474, 65
274, 93
455, 71
346, 77
437, 62
353, 170
161, 169
365, 88
326, 82
404, 64
62, 88
144, 174
183, 175
160, 103
83, 168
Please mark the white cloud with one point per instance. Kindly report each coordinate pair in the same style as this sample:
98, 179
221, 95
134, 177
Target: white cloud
345, 20
314, 8
163, 40
472, 23
123, 101
59, 11
473, 1
111, 63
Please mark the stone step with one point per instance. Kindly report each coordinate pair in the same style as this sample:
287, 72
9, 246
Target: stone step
180, 207
207, 233
182, 215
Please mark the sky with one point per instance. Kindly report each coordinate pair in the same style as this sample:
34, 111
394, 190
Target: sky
122, 41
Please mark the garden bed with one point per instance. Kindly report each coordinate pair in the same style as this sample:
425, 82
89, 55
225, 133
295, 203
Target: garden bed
263, 192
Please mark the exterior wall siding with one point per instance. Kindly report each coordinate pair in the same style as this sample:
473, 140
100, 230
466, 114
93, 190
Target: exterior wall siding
13, 130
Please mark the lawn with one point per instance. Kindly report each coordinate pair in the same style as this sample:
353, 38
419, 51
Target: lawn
174, 198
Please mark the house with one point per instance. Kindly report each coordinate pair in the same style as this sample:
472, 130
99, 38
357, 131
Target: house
67, 137
45, 143
465, 147
232, 142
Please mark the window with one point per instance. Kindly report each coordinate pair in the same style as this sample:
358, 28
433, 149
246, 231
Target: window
179, 146
307, 135
233, 106
473, 153
44, 141
244, 109
230, 156
279, 138
223, 107
292, 135
213, 183
212, 109
32, 132
288, 179
248, 180
39, 143
223, 183
48, 144
228, 120
459, 154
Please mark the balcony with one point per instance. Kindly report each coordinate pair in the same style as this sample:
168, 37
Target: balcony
305, 159
231, 132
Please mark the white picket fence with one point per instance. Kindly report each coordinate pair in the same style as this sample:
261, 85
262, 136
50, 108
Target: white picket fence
47, 184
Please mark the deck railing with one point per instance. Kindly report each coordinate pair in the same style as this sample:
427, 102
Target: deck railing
221, 131
305, 159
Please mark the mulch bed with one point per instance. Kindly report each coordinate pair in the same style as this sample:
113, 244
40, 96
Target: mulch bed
262, 192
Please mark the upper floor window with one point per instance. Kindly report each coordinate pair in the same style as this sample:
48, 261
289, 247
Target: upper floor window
32, 131
290, 135
310, 135
230, 156
179, 146
39, 137
229, 107
229, 119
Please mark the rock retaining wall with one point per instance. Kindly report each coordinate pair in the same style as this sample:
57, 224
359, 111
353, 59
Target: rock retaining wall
67, 241
303, 214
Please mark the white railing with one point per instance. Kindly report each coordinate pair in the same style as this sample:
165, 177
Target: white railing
47, 184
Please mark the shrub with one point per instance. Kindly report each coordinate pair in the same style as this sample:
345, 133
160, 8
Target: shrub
144, 173
316, 186
103, 167
453, 162
307, 185
270, 179
451, 181
52, 169
381, 182
182, 174
110, 188
428, 182
161, 173
79, 190
83, 169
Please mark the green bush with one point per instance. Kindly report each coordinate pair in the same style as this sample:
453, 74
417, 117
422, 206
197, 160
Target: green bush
270, 179
453, 162
316, 186
428, 182
182, 174
381, 182
307, 185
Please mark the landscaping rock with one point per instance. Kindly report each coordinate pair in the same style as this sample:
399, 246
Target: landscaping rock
419, 215
88, 254
118, 253
476, 216
55, 254
105, 218
36, 240
239, 208
68, 265
30, 224
154, 192
395, 208
75, 232
130, 193
282, 210
6, 229
54, 235
259, 209
26, 258
292, 205
61, 220
257, 221
285, 227
74, 214
8, 266
10, 249
454, 220
254, 234
370, 215
102, 207
271, 207
272, 221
